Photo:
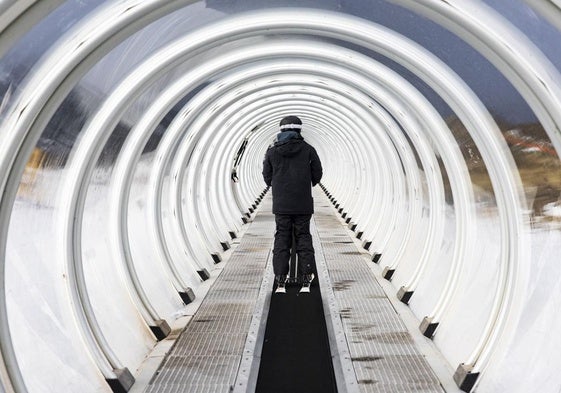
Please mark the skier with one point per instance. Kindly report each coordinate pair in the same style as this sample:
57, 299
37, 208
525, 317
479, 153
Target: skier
292, 166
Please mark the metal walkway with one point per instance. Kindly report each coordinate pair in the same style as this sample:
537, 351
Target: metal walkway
219, 349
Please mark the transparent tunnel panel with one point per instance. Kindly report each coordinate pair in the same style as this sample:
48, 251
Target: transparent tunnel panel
122, 123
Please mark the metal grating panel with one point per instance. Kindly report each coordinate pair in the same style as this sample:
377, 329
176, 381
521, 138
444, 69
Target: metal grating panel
374, 346
207, 355
381, 349
196, 343
195, 373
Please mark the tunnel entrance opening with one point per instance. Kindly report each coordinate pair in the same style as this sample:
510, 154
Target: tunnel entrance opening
296, 356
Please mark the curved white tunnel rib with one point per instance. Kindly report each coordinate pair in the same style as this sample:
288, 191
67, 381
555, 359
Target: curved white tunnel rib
319, 144
10, 10
265, 109
374, 91
17, 17
512, 209
155, 177
178, 175
518, 59
124, 169
489, 125
112, 105
374, 151
181, 162
34, 107
445, 150
549, 10
538, 82
253, 105
120, 197
182, 165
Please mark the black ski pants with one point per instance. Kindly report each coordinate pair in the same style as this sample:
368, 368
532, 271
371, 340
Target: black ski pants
286, 223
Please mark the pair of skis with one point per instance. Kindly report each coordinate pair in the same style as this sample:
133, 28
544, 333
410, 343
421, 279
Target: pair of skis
306, 284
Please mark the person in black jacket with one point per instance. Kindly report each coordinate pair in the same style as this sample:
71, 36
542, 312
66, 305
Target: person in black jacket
291, 167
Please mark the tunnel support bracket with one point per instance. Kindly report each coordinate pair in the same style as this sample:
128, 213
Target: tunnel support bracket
428, 327
465, 378
123, 381
187, 295
404, 295
160, 329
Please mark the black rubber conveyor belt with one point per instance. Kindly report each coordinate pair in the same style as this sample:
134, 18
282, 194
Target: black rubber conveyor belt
296, 356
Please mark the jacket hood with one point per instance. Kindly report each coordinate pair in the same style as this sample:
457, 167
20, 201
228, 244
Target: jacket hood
289, 143
286, 135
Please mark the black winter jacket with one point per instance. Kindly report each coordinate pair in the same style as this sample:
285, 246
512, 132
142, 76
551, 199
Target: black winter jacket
292, 167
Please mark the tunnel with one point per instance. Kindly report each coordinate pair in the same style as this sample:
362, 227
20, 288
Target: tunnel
134, 216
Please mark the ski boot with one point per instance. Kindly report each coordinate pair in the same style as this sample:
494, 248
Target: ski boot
281, 284
306, 283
